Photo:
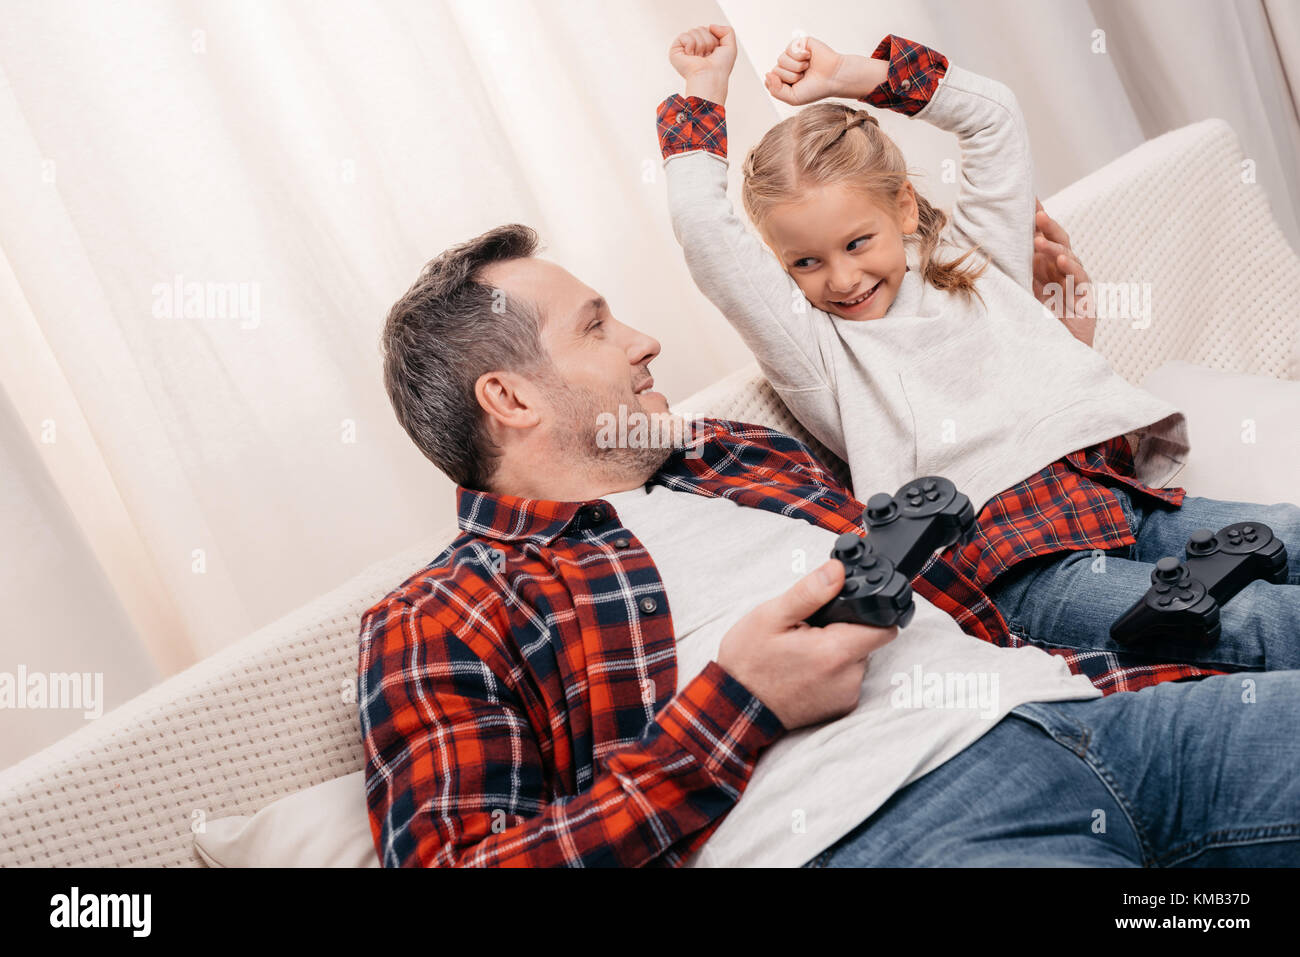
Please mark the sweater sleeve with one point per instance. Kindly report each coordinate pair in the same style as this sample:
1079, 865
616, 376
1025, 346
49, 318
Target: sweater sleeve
995, 197
730, 265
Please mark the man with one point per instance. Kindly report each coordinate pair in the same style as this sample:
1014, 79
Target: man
614, 651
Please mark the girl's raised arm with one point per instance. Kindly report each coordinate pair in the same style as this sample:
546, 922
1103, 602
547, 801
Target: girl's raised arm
995, 197
729, 264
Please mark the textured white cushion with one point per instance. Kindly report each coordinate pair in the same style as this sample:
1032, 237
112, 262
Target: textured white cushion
321, 826
1179, 218
1245, 432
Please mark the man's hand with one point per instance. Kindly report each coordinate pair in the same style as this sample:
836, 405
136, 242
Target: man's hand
704, 56
809, 70
1060, 281
805, 675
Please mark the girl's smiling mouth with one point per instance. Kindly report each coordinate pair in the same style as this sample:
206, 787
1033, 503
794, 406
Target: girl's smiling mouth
861, 302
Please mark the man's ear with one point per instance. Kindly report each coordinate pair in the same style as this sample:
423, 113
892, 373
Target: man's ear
908, 215
510, 400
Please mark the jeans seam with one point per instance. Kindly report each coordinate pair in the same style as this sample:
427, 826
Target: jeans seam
1080, 749
1228, 837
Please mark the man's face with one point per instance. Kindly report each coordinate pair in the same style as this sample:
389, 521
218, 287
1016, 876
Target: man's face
602, 363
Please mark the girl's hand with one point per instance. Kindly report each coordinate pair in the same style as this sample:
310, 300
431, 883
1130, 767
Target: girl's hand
704, 57
806, 71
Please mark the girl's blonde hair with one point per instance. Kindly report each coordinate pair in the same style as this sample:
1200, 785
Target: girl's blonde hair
821, 145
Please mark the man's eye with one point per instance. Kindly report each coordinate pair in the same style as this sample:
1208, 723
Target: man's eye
596, 325
861, 239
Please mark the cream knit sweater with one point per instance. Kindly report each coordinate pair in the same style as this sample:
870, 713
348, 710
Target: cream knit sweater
986, 395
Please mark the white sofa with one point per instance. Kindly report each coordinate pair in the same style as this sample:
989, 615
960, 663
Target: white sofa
274, 713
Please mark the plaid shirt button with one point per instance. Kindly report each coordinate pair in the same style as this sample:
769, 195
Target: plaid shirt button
649, 605
621, 543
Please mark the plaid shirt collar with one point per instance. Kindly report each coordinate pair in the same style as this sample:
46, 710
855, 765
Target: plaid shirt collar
513, 518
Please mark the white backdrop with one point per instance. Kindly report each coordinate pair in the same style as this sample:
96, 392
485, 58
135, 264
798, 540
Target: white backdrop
174, 480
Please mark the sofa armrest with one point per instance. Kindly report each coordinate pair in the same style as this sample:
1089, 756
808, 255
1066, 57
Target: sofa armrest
269, 715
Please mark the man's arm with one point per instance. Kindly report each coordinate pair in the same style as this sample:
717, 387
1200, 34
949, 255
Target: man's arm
456, 774
1060, 281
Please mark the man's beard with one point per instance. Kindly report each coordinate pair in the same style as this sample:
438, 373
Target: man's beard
582, 414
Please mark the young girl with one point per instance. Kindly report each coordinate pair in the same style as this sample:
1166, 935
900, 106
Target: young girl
911, 344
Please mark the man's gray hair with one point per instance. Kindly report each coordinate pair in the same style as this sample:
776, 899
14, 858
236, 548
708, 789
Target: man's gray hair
448, 330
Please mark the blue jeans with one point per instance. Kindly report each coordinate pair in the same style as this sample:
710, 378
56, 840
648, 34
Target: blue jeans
1199, 773
1071, 600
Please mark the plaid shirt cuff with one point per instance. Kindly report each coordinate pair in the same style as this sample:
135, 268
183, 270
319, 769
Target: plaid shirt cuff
914, 75
722, 723
689, 123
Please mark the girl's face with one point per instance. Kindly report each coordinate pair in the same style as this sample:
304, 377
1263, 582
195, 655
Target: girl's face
843, 249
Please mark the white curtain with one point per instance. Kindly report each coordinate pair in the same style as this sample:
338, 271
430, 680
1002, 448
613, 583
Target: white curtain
180, 471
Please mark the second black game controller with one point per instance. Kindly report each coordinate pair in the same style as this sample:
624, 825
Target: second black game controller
1185, 597
903, 531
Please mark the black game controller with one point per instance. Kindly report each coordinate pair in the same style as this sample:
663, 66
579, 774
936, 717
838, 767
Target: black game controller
1184, 598
903, 531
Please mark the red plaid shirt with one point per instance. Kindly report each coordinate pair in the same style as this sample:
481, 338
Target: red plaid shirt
518, 698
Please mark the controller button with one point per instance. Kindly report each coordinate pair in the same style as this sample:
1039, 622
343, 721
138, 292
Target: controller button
1249, 529
1162, 588
1252, 537
1164, 600
913, 490
875, 577
871, 561
932, 496
1186, 595
930, 485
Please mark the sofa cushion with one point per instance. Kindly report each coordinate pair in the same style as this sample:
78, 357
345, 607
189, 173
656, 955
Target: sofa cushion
1244, 429
322, 826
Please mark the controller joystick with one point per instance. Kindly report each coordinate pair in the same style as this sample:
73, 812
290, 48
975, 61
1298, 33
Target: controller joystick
881, 508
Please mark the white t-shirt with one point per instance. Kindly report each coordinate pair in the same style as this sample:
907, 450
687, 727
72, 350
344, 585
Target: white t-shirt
926, 695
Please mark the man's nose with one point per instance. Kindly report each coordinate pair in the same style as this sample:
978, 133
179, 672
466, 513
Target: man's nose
642, 349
